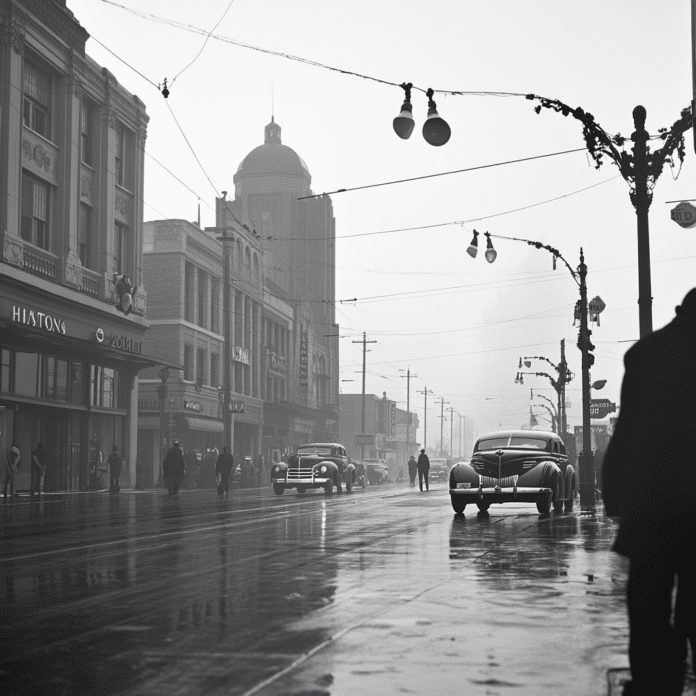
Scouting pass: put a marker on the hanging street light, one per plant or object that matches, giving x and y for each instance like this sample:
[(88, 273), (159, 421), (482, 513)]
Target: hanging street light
[(404, 123)]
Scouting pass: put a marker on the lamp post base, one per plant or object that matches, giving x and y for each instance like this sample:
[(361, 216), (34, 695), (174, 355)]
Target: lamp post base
[(588, 485)]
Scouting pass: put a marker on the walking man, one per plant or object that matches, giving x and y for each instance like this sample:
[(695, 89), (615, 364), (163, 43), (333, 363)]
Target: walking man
[(38, 468), (115, 462), (9, 467), (223, 468), (654, 437), (423, 468), (412, 469), (174, 469)]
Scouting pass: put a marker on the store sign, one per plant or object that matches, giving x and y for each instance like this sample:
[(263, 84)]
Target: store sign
[(236, 407), (40, 320), (304, 358), (240, 354), (125, 343), (192, 406), (278, 363), (601, 408)]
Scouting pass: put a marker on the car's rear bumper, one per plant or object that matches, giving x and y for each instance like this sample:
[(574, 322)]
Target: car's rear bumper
[(501, 495)]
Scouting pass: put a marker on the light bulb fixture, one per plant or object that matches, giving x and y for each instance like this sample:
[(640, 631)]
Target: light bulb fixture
[(473, 246), (519, 379), (435, 129), (599, 384), (520, 365), (404, 123), (527, 363), (490, 254)]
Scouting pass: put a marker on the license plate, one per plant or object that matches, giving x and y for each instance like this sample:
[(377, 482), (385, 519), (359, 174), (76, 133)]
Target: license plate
[(463, 485)]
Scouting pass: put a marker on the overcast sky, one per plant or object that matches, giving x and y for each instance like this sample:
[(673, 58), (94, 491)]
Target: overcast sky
[(460, 324)]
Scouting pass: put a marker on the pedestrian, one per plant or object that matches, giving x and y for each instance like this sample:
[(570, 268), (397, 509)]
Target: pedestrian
[(223, 468), (423, 466), (412, 469), (649, 466), (259, 468), (174, 468), (38, 469), (10, 461), (115, 462)]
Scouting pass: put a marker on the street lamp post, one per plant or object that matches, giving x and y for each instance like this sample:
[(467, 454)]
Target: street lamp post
[(425, 391), (640, 169), (408, 409), (586, 458), (162, 395)]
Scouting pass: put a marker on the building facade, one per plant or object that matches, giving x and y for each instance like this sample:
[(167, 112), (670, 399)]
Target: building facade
[(300, 346), (71, 189)]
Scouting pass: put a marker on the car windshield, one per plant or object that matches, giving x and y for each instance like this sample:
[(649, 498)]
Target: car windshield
[(518, 441), (373, 461), (321, 450), (441, 463)]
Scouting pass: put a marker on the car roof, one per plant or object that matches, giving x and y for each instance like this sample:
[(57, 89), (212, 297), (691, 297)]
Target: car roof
[(321, 444), (519, 433)]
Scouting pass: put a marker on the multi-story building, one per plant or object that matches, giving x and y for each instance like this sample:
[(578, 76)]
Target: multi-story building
[(71, 190), (300, 331)]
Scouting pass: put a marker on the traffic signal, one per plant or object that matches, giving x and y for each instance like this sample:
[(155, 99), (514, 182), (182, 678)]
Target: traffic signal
[(586, 346)]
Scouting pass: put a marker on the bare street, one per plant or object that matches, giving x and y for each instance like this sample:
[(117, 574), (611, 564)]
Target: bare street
[(381, 590)]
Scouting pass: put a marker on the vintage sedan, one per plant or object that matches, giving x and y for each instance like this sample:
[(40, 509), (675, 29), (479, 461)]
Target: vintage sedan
[(316, 465), (377, 471), (439, 470), (527, 466)]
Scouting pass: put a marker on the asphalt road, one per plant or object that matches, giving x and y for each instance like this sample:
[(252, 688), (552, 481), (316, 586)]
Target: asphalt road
[(380, 591)]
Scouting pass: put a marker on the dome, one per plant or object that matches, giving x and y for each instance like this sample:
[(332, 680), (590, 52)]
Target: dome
[(272, 158)]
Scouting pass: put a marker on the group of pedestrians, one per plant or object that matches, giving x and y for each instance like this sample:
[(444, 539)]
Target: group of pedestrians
[(10, 464), (420, 467), (174, 470)]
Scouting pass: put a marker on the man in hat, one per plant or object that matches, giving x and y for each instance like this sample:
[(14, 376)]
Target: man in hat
[(223, 467), (649, 482), (412, 469), (423, 466), (174, 468)]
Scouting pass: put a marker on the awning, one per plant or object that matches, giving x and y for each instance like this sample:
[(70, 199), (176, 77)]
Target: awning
[(194, 423)]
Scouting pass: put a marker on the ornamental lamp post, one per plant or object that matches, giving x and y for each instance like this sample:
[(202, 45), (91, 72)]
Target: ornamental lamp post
[(640, 168)]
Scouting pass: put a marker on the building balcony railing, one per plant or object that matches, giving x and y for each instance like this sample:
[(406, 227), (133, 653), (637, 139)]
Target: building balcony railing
[(91, 282), (40, 263)]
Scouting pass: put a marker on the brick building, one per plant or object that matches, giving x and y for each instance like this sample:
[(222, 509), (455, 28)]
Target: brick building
[(71, 191)]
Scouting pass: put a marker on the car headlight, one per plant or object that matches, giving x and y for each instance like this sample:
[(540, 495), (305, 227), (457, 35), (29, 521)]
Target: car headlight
[(276, 469), (322, 469)]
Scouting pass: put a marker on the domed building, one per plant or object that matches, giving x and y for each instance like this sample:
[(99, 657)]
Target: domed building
[(294, 238)]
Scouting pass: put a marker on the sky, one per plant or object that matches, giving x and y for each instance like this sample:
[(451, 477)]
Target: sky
[(460, 325)]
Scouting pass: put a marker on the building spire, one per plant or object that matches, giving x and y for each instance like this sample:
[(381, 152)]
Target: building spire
[(272, 133)]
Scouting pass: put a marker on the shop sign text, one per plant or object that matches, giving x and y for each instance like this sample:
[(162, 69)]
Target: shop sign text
[(32, 317), (192, 405), (240, 354)]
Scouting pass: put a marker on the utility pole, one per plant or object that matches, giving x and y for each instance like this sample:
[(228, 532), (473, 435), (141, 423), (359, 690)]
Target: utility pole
[(451, 410), (460, 436), (562, 419), (425, 391), (408, 409), (362, 421), (442, 421)]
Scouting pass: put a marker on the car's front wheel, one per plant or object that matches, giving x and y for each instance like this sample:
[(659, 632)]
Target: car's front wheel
[(328, 487), (278, 488), (349, 484), (483, 507), (458, 505), (544, 504), (301, 489)]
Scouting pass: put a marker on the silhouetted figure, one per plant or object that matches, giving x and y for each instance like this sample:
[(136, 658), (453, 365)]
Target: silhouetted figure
[(38, 469), (259, 468), (10, 460), (412, 469), (174, 468), (423, 469), (115, 462), (649, 481), (223, 468)]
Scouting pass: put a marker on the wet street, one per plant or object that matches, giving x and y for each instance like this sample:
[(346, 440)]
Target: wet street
[(378, 591)]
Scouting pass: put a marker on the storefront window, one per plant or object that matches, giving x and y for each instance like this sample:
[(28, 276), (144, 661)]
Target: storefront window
[(95, 390), (61, 380), (76, 383), (105, 387), (26, 374), (108, 388), (5, 372), (49, 377)]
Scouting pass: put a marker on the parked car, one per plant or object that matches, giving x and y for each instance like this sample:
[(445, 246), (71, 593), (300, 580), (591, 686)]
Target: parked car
[(439, 469), (377, 471), (315, 465), (515, 465)]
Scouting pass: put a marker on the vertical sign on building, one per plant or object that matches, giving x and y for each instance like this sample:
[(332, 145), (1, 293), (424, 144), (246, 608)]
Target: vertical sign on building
[(304, 358), (392, 419)]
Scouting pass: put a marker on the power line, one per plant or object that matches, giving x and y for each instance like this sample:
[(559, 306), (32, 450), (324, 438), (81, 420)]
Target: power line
[(432, 176)]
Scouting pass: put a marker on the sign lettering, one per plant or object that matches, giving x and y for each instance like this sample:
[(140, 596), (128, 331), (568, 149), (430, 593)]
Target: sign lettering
[(236, 407), (41, 320), (240, 354), (191, 405), (125, 343)]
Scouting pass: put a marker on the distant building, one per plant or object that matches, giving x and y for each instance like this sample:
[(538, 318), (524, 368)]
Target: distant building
[(298, 241), (71, 190)]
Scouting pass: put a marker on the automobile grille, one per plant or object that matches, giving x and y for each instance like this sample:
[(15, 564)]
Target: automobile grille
[(505, 482), (296, 474)]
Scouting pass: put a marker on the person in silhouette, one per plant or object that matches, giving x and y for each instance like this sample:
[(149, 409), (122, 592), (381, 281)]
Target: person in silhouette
[(223, 468), (174, 468), (412, 469), (423, 466), (649, 483), (115, 462), (38, 469)]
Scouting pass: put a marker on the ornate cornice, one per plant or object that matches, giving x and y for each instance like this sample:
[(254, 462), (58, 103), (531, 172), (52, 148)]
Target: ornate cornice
[(60, 20)]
